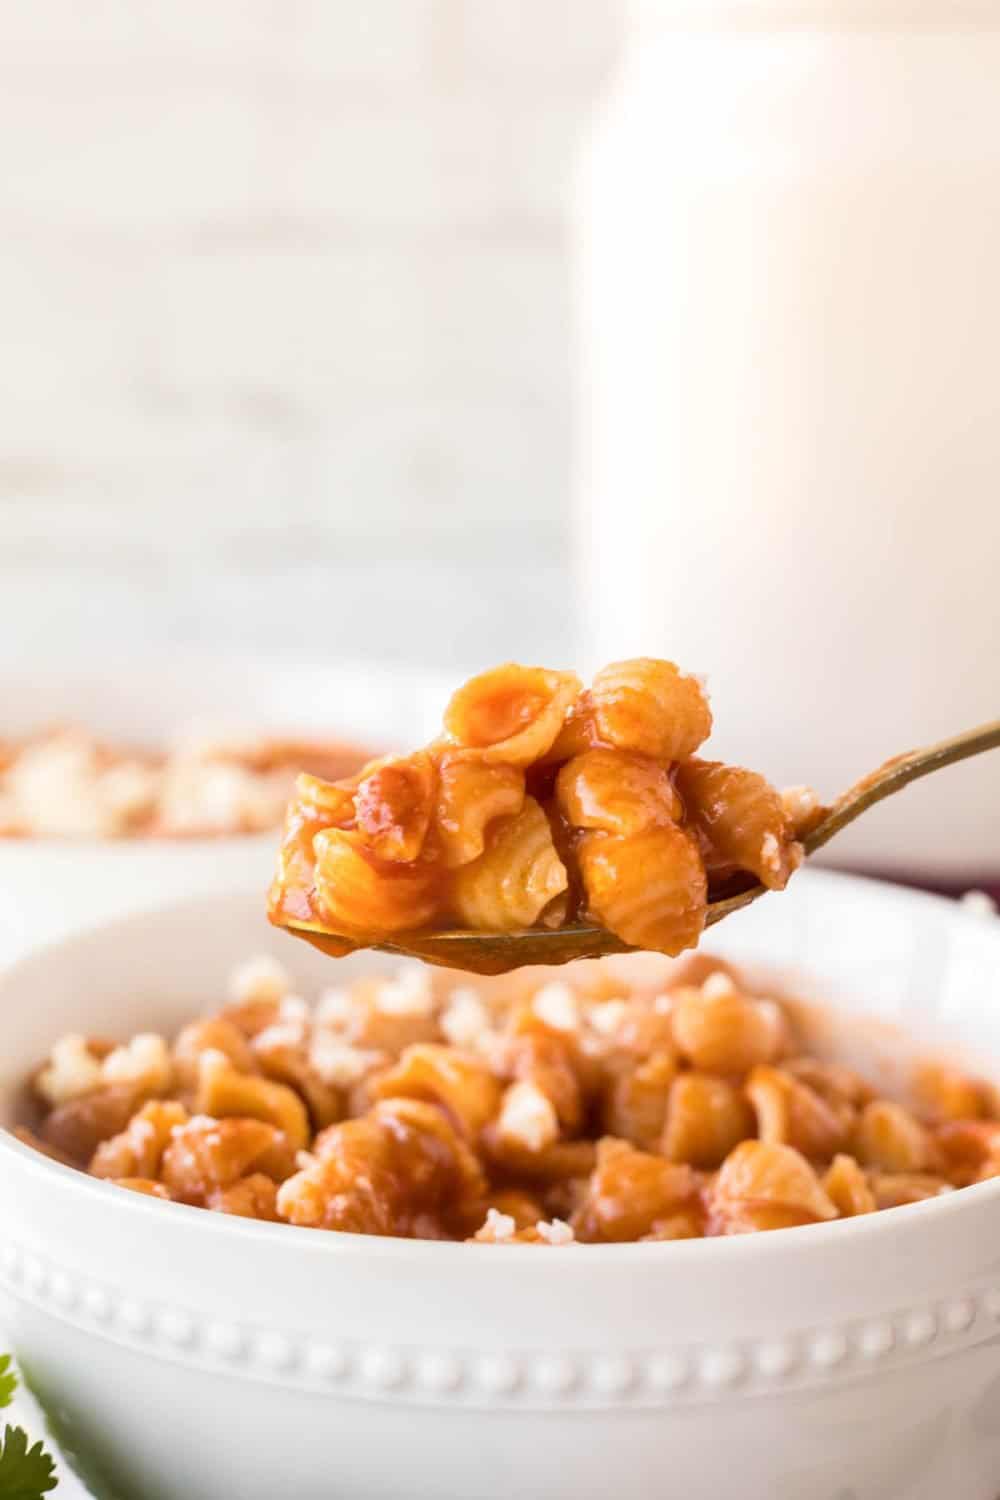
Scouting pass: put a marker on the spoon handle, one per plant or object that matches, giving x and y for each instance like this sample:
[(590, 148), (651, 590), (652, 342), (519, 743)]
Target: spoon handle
[(898, 773), (891, 777)]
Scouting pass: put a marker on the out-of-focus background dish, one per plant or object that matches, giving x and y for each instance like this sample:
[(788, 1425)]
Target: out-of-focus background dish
[(49, 885)]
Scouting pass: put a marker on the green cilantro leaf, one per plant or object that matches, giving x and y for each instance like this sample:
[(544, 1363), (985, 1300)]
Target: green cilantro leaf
[(8, 1381), (25, 1473)]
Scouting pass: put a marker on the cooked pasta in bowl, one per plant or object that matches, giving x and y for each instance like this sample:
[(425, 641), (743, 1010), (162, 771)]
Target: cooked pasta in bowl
[(601, 1108), (424, 1230)]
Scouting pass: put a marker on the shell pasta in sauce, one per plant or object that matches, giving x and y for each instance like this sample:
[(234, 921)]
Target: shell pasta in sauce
[(618, 1104), (542, 803)]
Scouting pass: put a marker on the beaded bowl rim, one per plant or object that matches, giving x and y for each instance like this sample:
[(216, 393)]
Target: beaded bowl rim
[(477, 1375)]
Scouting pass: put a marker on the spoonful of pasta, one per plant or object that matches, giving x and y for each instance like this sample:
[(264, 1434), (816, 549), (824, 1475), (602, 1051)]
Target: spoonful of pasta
[(551, 823)]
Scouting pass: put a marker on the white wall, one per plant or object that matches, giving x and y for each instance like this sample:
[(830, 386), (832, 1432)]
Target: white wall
[(284, 335)]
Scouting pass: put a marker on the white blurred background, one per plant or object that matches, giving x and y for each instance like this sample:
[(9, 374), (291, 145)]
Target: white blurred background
[(307, 348), (285, 322)]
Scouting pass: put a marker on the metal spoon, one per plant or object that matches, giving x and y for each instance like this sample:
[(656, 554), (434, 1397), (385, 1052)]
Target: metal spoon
[(499, 952)]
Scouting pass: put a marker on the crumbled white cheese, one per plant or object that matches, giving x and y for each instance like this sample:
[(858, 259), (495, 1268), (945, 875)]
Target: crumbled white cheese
[(979, 903), (494, 1049), (279, 1037), (200, 796), (195, 1122), (555, 1231), (799, 802), (594, 1046), (128, 790), (259, 980), (464, 1018), (717, 985), (528, 1117), (54, 787), (771, 1011), (557, 1006), (337, 1063), (334, 1007), (72, 1071), (211, 1062), (607, 1016), (294, 1008), (499, 1226), (145, 1059), (770, 853), (410, 993)]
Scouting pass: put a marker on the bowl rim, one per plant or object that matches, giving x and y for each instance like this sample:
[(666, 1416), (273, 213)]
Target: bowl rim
[(709, 1249)]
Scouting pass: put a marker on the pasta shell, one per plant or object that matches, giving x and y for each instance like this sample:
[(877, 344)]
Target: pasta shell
[(516, 876), (617, 792), (394, 806), (774, 1176), (472, 794), (742, 820), (358, 895), (511, 713), (647, 888), (651, 706)]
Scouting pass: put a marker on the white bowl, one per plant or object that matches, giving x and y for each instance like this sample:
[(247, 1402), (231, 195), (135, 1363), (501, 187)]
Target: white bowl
[(49, 887), (212, 1357)]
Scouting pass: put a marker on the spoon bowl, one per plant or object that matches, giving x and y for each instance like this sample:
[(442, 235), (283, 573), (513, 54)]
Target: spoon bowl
[(499, 952)]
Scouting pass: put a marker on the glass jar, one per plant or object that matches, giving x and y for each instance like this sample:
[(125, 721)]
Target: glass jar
[(789, 439)]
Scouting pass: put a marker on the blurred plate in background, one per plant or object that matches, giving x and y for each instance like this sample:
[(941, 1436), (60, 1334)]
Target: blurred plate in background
[(50, 886)]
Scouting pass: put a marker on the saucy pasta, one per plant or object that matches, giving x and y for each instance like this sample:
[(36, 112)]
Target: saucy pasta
[(541, 804), (610, 1106)]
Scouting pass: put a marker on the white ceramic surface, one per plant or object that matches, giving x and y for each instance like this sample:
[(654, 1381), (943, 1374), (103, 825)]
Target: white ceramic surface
[(216, 1358), (53, 886)]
